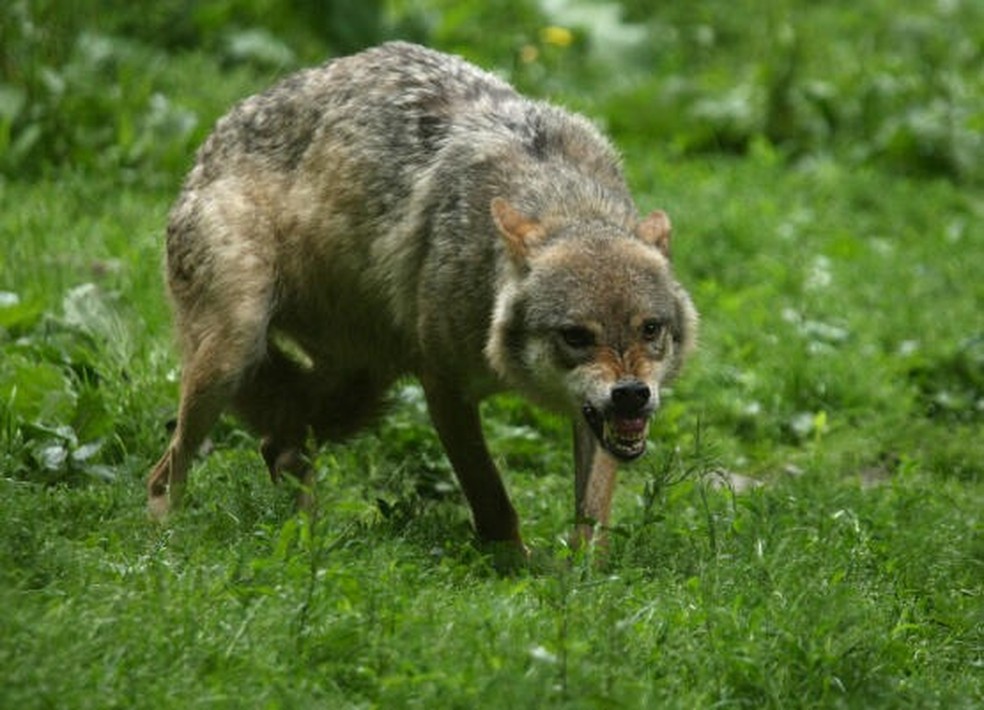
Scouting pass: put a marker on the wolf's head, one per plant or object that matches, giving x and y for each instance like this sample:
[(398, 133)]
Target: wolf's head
[(589, 320)]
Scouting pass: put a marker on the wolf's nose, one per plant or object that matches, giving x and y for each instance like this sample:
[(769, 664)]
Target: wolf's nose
[(630, 397)]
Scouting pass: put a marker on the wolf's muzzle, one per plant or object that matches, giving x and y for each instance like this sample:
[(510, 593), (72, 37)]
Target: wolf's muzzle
[(623, 425)]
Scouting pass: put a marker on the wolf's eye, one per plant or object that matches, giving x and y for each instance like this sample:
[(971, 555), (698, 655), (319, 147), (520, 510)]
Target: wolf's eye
[(577, 337), (651, 329)]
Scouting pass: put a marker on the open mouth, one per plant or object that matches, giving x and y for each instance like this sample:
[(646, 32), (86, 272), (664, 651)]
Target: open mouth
[(623, 437)]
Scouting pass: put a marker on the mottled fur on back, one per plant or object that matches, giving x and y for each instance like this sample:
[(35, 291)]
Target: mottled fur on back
[(401, 211)]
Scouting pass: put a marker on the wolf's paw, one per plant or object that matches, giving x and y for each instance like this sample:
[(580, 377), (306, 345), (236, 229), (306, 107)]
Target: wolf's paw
[(158, 508), (507, 556)]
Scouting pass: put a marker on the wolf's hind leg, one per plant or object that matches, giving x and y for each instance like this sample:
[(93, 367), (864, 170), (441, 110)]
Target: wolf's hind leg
[(274, 401), (218, 350), (289, 404)]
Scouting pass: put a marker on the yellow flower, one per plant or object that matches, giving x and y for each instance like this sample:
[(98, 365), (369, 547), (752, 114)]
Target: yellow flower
[(557, 36)]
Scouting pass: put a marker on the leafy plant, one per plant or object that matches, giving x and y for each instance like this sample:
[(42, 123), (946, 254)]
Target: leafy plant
[(53, 390)]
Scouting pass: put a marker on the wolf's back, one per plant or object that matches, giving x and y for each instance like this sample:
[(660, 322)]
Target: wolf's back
[(392, 109)]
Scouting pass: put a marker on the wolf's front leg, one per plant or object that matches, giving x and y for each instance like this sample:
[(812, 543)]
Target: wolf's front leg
[(594, 484), (459, 428)]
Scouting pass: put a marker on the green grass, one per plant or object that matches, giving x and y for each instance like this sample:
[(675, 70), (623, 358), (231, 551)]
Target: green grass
[(841, 365)]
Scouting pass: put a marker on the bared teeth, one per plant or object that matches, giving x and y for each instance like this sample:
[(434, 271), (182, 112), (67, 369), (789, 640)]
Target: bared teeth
[(626, 435)]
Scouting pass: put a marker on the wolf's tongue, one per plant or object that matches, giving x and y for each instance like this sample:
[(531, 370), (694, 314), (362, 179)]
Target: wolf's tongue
[(629, 426)]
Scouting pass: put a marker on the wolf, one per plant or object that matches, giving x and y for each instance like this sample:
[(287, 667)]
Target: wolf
[(401, 212)]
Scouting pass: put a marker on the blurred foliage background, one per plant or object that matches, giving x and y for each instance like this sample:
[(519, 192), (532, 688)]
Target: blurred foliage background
[(899, 85)]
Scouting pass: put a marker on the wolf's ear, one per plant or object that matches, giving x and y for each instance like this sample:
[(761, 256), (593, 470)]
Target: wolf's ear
[(521, 233), (654, 230)]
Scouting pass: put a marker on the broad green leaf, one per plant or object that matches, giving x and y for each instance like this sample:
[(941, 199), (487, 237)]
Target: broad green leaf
[(36, 391)]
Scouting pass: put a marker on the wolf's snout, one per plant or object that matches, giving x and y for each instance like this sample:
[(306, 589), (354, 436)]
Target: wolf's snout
[(622, 427), (630, 398)]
